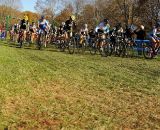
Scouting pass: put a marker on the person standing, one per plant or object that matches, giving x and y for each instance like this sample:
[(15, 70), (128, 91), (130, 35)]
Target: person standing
[(141, 35)]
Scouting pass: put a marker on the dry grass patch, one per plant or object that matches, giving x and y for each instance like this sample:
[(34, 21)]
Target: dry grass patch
[(52, 106)]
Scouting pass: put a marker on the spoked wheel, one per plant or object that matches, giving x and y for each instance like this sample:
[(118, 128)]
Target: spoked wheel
[(119, 49), (148, 52), (62, 45), (124, 50), (40, 41), (81, 47), (20, 41), (57, 44), (93, 48), (111, 48), (129, 52), (71, 45), (107, 49)]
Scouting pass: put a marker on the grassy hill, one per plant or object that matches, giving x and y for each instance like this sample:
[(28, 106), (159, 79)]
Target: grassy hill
[(53, 90)]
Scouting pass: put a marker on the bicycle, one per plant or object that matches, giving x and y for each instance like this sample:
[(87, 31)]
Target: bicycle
[(81, 44), (100, 45), (28, 37), (41, 38), (21, 38), (149, 51), (129, 47), (61, 43), (117, 46)]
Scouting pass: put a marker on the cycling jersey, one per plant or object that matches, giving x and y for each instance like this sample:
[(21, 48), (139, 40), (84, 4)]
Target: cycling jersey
[(69, 25), (141, 34), (103, 27), (15, 28), (43, 24), (156, 33), (61, 30), (84, 31), (32, 28), (23, 24)]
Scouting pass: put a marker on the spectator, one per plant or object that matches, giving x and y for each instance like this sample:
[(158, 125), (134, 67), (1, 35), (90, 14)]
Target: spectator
[(141, 35)]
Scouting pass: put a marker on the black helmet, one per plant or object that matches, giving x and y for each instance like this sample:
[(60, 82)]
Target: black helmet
[(158, 24), (119, 24), (106, 20)]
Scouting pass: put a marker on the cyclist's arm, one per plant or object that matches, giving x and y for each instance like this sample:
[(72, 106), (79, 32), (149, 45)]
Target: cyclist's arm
[(155, 33), (38, 23)]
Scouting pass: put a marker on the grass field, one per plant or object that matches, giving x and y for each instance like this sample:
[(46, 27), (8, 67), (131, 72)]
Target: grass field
[(47, 90)]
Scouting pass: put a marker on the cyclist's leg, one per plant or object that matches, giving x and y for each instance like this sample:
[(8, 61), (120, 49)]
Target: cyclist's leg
[(24, 35), (45, 38)]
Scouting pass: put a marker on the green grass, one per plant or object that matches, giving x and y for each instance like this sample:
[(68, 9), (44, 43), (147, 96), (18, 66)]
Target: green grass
[(53, 90)]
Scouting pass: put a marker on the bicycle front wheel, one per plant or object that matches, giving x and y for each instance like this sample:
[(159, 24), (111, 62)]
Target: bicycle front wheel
[(148, 52), (71, 45)]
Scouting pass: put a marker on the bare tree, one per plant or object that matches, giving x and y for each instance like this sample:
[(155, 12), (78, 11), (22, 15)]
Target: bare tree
[(150, 11)]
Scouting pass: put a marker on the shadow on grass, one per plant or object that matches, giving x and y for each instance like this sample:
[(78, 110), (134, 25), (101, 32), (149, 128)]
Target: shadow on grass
[(51, 48)]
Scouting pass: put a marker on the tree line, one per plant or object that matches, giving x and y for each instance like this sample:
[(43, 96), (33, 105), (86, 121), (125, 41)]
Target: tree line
[(146, 12)]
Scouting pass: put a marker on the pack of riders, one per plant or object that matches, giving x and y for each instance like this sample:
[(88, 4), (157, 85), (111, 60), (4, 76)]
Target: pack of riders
[(69, 28)]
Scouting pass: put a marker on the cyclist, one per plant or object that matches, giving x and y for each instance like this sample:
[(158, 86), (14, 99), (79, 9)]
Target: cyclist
[(84, 33), (15, 31), (61, 30), (84, 30), (141, 35), (156, 36), (33, 30), (43, 25), (70, 26), (23, 27), (103, 27), (128, 32)]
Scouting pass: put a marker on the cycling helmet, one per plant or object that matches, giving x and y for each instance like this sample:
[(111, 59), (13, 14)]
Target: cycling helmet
[(158, 24), (73, 17), (106, 20), (42, 17), (119, 24), (25, 17), (142, 27), (86, 25), (63, 23)]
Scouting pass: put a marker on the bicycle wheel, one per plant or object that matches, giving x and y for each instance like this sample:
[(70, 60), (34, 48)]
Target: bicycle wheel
[(129, 50), (57, 44), (62, 46), (71, 45), (107, 49), (20, 41), (81, 47), (124, 49), (39, 41), (93, 48), (148, 51), (119, 49)]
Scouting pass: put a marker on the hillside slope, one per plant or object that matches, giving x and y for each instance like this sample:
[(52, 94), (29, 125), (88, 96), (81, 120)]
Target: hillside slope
[(53, 90)]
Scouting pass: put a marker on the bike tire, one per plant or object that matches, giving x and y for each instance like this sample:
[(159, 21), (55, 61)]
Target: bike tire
[(81, 47), (148, 51), (71, 46)]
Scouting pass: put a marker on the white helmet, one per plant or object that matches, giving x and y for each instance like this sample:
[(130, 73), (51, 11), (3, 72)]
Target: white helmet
[(142, 27), (86, 25), (63, 23)]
